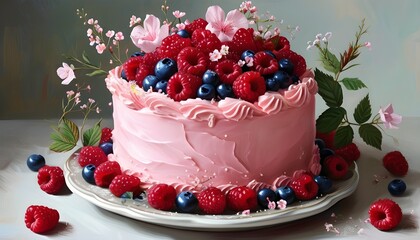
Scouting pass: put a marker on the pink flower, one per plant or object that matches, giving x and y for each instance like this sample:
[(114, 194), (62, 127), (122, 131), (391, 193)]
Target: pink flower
[(224, 28), (66, 73), (134, 20), (389, 118), (282, 204), (368, 45), (150, 36), (119, 36), (100, 48), (215, 55), (178, 14), (110, 33)]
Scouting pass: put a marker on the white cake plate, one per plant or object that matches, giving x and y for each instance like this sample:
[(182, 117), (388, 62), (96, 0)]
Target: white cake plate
[(140, 210)]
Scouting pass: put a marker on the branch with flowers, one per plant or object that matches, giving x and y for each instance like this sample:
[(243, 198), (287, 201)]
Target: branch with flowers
[(335, 117)]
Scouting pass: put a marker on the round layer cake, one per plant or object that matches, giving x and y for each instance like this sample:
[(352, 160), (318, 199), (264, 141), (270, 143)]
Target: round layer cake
[(198, 143)]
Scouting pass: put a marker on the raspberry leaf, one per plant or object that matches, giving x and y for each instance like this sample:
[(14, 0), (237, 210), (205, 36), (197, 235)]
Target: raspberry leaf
[(363, 110), (330, 61), (330, 119), (353, 83), (371, 135), (93, 135), (329, 89), (343, 136), (65, 136)]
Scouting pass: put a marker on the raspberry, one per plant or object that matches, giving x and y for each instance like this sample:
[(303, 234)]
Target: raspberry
[(350, 153), (265, 64), (249, 86), (182, 86), (385, 214), (280, 43), (328, 138), (125, 183), (335, 167), (198, 23), (305, 187), (243, 40), (41, 219), (212, 201), (137, 68), (131, 67), (228, 71), (205, 40), (91, 155), (106, 135), (241, 198), (51, 179), (298, 61), (395, 163), (193, 61), (105, 173), (172, 45), (161, 196)]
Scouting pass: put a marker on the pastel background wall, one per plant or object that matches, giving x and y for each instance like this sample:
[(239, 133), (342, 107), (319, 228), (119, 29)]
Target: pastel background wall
[(34, 35)]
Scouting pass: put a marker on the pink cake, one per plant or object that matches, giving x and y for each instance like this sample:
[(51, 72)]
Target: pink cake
[(197, 143)]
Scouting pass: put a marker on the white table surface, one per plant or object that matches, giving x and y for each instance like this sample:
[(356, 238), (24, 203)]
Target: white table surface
[(79, 219)]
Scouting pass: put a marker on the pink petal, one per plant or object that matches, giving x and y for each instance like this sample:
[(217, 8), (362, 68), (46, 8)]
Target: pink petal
[(215, 15), (151, 24), (236, 19)]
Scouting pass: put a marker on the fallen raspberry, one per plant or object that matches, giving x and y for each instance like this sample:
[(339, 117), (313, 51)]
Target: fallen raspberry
[(41, 219), (395, 163), (51, 179), (304, 187), (385, 214)]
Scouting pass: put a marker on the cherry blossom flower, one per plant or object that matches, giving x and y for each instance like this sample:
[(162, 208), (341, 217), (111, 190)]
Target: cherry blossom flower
[(215, 55), (180, 26), (150, 36), (224, 50), (224, 27), (110, 33), (134, 20), (119, 36), (66, 73), (89, 32), (100, 48), (281, 204), (271, 204), (69, 93), (389, 118), (178, 14)]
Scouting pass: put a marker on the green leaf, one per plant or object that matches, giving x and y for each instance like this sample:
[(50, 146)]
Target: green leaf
[(363, 111), (353, 83), (329, 89), (92, 136), (330, 119), (85, 57), (60, 146), (64, 137), (371, 135), (96, 73), (330, 62), (343, 136), (71, 131)]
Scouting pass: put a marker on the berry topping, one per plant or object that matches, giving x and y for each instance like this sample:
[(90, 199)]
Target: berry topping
[(385, 214), (105, 172), (161, 196), (183, 33), (397, 187), (225, 90), (41, 219), (286, 193), (172, 45), (88, 173), (249, 86), (91, 155), (228, 71), (182, 86), (125, 183), (328, 138), (247, 53), (198, 23), (51, 179), (324, 184), (324, 153), (244, 40), (395, 163), (211, 77), (186, 202), (335, 167), (283, 79), (272, 84), (320, 143), (241, 198), (193, 61), (350, 153), (161, 86), (299, 63), (35, 162), (279, 44), (265, 196), (165, 68), (212, 201), (305, 187), (149, 82), (206, 91), (286, 65), (265, 64), (107, 147), (206, 41), (106, 135), (131, 67)]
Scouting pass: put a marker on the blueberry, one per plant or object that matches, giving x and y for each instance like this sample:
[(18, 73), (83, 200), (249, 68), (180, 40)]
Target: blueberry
[(295, 79), (186, 202), (35, 162), (106, 147), (272, 84), (270, 53), (286, 65), (286, 193), (149, 82), (247, 53), (211, 77), (183, 33), (225, 90), (88, 173), (136, 54), (165, 68), (161, 85), (325, 152), (123, 75), (262, 196), (397, 187), (283, 78), (324, 184), (206, 91), (320, 143)]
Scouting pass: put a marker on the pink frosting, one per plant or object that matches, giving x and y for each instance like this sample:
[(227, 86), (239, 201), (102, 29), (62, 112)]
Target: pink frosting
[(196, 143)]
